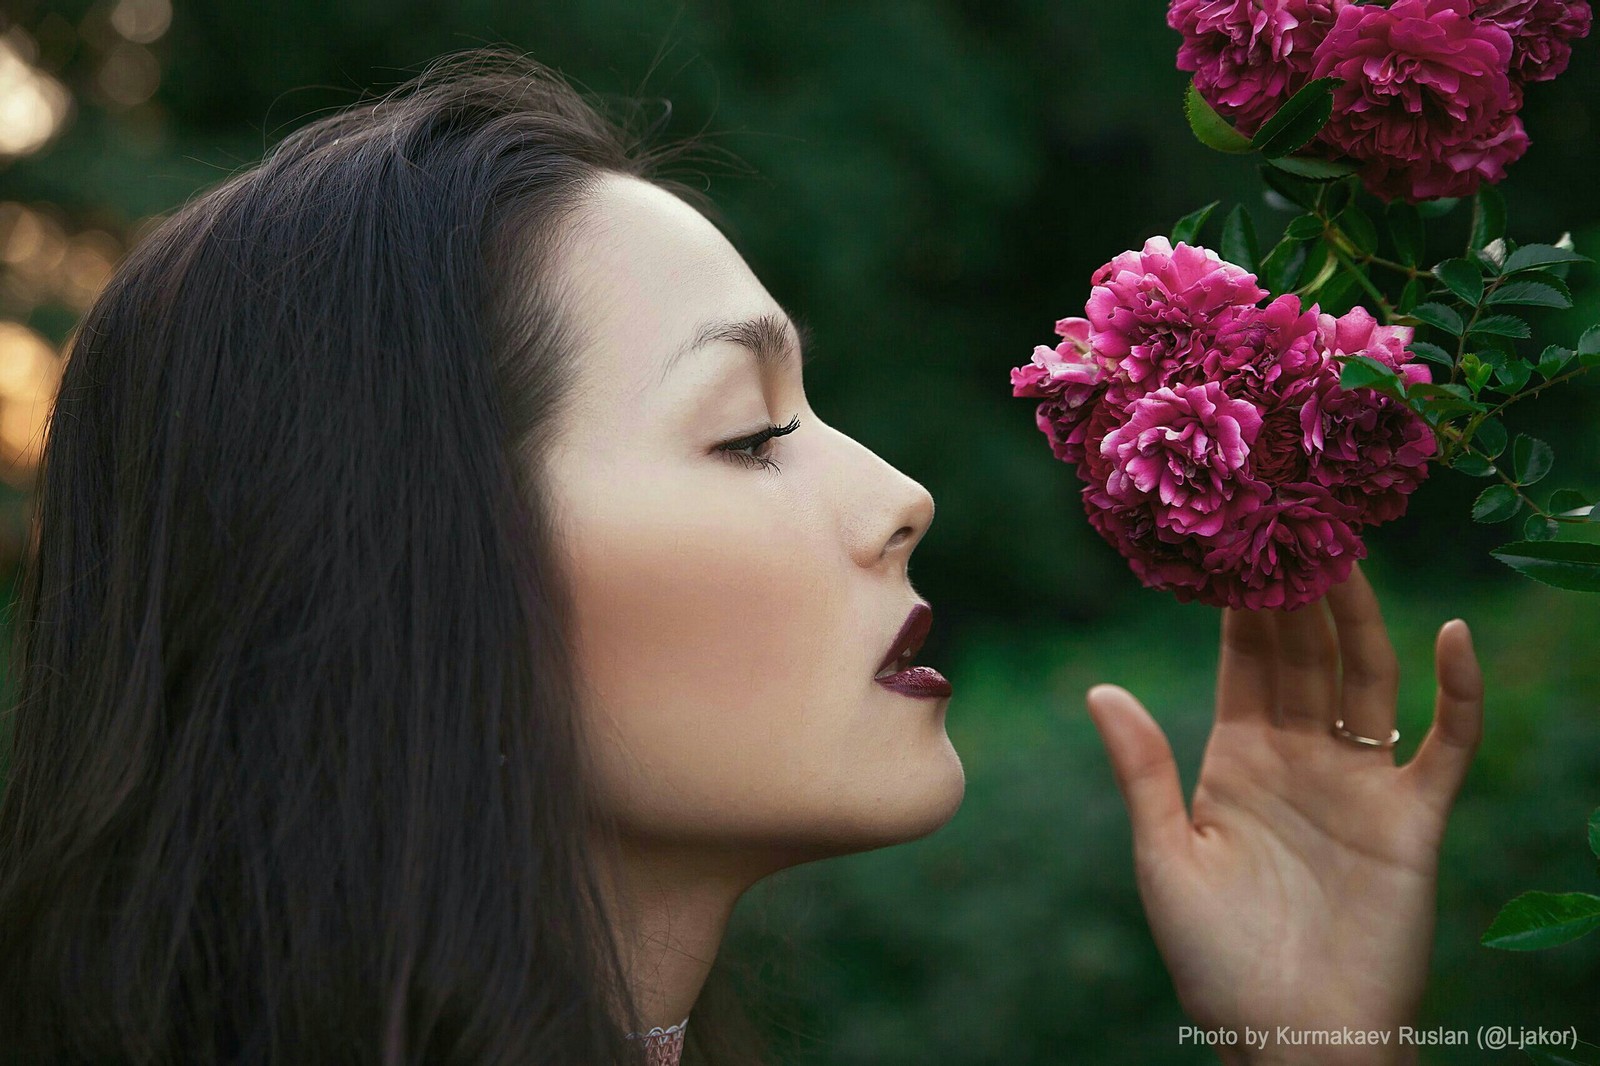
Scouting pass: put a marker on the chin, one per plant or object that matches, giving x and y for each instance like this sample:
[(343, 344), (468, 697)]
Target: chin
[(900, 810)]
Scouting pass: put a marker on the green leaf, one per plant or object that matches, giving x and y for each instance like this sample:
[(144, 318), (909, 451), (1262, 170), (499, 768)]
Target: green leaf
[(1531, 459), (1436, 411), (1363, 371), (1554, 359), (1239, 239), (1493, 356), (1537, 920), (1440, 316), (1495, 504), (1513, 375), (1538, 527), (1210, 128), (1438, 208), (1409, 296), (1405, 230), (1359, 228), (1432, 353), (1492, 255), (1566, 501), (1300, 118), (1187, 228), (1566, 564), (1336, 196), (1532, 294), (1473, 465), (1488, 216), (1314, 169), (1282, 266), (1462, 278), (1490, 438), (1336, 288), (1589, 343), (1476, 370), (1295, 190), (1303, 228), (1495, 348), (1594, 832), (1438, 402), (1502, 326), (1327, 264), (1534, 256)]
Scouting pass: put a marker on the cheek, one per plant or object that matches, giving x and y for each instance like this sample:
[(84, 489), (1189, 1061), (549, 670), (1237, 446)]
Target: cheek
[(710, 622)]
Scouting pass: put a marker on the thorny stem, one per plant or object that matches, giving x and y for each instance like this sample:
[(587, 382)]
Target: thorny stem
[(1537, 389), (1513, 485)]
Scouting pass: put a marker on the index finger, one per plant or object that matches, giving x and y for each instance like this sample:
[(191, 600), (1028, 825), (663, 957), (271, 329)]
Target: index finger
[(1247, 667)]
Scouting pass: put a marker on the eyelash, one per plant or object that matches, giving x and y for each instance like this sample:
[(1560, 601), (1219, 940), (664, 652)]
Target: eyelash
[(734, 448)]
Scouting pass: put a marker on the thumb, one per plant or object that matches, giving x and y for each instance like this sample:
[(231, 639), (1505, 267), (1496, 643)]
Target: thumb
[(1141, 759), (1442, 759)]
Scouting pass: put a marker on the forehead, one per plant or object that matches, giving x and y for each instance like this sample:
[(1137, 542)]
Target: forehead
[(642, 270)]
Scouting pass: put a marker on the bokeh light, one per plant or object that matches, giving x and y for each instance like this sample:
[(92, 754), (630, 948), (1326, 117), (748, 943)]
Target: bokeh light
[(30, 372), (34, 106), (141, 21)]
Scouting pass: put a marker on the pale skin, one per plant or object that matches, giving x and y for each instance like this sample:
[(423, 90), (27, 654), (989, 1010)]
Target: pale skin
[(729, 619)]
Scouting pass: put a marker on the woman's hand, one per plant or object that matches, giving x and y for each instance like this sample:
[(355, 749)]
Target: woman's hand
[(1299, 891)]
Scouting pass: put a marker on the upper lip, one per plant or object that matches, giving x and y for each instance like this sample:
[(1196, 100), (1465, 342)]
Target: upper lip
[(909, 640)]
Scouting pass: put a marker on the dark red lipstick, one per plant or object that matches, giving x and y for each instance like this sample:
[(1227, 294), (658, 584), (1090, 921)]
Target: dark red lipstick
[(908, 679)]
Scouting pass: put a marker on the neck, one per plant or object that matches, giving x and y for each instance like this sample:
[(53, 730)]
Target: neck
[(671, 904)]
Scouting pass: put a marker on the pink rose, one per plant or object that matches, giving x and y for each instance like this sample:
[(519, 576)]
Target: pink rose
[(1157, 557), (1286, 553), (1371, 451), (1542, 32), (1069, 377), (1282, 454), (1283, 555), (1262, 350), (1272, 357), (1150, 310), (1249, 56), (1427, 100), (1095, 467), (1069, 372), (1456, 173), (1184, 448), (1218, 452)]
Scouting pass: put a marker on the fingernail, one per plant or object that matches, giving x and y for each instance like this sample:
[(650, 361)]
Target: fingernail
[(1100, 693)]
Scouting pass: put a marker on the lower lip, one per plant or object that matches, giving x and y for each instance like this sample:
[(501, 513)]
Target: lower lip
[(922, 681)]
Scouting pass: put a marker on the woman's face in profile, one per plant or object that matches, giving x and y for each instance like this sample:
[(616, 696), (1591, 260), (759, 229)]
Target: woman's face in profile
[(730, 617)]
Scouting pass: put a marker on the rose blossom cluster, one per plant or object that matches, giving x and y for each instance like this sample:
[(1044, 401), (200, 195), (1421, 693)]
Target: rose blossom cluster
[(1430, 88), (1218, 451)]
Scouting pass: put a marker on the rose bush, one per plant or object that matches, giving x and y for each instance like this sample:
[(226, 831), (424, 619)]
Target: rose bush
[(1427, 92)]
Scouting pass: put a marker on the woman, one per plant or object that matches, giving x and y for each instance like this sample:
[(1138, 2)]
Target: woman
[(446, 605)]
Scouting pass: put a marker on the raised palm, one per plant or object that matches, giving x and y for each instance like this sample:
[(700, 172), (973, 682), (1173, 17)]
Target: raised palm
[(1298, 888)]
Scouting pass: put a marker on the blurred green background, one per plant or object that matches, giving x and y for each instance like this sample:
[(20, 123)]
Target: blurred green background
[(929, 185)]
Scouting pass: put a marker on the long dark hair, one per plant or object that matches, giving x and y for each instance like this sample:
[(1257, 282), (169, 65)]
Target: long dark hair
[(296, 768)]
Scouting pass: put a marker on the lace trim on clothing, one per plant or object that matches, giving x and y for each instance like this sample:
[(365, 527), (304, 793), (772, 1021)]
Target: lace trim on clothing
[(663, 1047)]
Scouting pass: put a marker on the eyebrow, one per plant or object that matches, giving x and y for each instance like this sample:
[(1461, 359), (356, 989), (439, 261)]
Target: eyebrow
[(766, 336)]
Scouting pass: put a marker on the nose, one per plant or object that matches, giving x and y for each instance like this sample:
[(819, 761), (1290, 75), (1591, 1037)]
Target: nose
[(883, 512), (911, 514)]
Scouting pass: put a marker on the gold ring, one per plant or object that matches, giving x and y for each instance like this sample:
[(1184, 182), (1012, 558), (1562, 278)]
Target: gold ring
[(1344, 734)]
